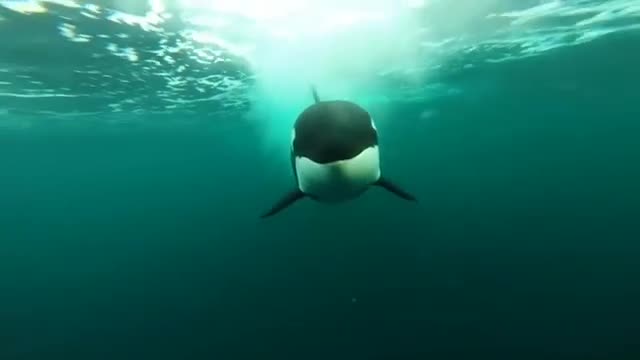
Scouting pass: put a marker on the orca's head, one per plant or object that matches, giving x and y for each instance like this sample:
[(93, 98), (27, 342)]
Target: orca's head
[(330, 131)]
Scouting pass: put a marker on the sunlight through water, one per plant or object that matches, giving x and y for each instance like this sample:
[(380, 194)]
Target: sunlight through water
[(208, 57)]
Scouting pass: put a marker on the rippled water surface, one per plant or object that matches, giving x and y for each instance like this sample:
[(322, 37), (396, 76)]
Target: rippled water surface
[(67, 57)]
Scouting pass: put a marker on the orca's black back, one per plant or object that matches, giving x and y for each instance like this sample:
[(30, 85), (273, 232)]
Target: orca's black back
[(329, 131)]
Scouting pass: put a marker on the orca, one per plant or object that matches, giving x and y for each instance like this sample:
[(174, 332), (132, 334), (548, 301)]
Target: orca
[(334, 155)]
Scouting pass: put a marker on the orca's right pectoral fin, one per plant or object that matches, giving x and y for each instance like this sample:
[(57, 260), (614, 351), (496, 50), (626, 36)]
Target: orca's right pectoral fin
[(394, 189), (284, 202)]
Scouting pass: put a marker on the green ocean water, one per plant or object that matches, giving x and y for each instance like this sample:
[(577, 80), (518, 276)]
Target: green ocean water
[(129, 225)]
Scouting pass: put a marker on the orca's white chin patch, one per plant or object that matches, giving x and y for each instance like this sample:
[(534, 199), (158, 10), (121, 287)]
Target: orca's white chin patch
[(341, 180)]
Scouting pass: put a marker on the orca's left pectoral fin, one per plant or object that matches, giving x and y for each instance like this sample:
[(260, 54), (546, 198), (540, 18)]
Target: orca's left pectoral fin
[(394, 189), (284, 202)]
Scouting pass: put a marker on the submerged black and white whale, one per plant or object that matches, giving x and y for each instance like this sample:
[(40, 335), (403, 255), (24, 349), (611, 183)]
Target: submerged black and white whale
[(334, 155)]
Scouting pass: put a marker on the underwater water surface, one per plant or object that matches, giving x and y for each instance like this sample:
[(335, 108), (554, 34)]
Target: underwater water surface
[(141, 140)]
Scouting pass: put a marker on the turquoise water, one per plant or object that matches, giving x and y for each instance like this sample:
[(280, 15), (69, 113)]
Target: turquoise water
[(139, 143)]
